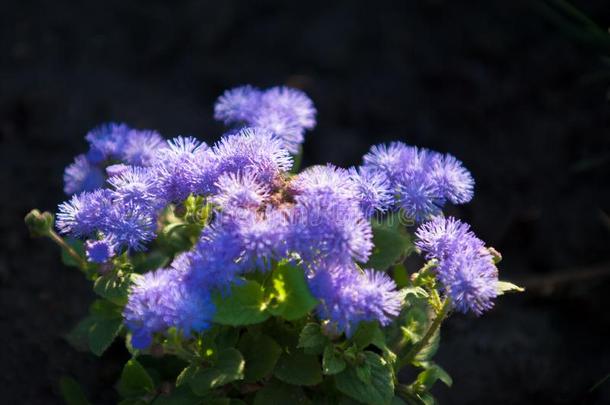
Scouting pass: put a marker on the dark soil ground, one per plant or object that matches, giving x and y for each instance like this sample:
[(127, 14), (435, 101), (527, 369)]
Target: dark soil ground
[(494, 83)]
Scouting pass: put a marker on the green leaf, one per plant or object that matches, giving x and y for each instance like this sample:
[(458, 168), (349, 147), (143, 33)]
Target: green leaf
[(365, 334), (332, 362), (278, 393), (229, 366), (401, 276), (311, 339), (135, 380), (78, 246), (115, 288), (391, 244), (78, 337), (261, 354), (72, 392), (245, 305), (297, 368), (504, 287), (381, 388), (428, 377), (102, 333), (290, 295)]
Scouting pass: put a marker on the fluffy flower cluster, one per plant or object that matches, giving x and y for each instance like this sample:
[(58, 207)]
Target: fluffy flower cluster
[(319, 219), (465, 267)]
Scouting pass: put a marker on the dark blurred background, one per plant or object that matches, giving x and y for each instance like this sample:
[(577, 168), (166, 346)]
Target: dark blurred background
[(503, 86)]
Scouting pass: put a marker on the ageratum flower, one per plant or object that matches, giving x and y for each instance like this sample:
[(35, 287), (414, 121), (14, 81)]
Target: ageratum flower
[(372, 190), (181, 167), (322, 226), (237, 105), (470, 278), (348, 296), (325, 180), (84, 213), (239, 190), (442, 237), (465, 269), (106, 142), (255, 150), (423, 180), (162, 299), (452, 180), (283, 111), (100, 251), (131, 225), (136, 185), (82, 176), (140, 147)]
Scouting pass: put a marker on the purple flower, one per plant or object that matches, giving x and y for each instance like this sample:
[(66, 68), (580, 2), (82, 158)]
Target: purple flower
[(106, 142), (372, 190), (255, 150), (183, 166), (465, 269), (84, 213), (292, 101), (283, 111), (162, 299), (452, 180), (442, 237), (326, 227), (470, 278), (82, 176), (100, 251), (418, 196), (328, 179), (115, 170), (136, 186), (283, 125), (239, 191), (237, 105), (130, 225), (140, 147), (213, 261), (389, 159), (348, 296)]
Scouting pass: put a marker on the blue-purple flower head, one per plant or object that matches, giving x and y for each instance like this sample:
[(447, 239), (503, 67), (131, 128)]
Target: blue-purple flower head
[(84, 213), (283, 111), (323, 226), (372, 190), (253, 150), (100, 251), (325, 180), (238, 241), (135, 185), (465, 267), (239, 190), (237, 105), (82, 176), (162, 299), (349, 296), (183, 166), (130, 225), (422, 179), (140, 147), (106, 142)]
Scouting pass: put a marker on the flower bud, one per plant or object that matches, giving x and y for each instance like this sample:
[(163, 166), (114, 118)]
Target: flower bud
[(39, 224)]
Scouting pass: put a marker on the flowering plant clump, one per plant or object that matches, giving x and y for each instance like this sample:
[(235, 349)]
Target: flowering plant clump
[(235, 279)]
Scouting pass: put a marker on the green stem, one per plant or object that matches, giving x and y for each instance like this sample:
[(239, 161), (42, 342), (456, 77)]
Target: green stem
[(62, 243), (429, 333)]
